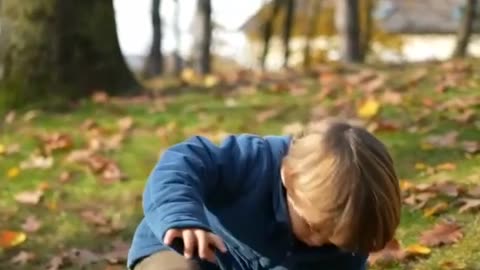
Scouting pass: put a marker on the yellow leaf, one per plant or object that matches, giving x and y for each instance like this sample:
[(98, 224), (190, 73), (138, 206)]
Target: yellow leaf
[(420, 166), (2, 149), (447, 166), (188, 75), (210, 81), (368, 109), (13, 172), (418, 249), (406, 185), (11, 238), (426, 146), (436, 209)]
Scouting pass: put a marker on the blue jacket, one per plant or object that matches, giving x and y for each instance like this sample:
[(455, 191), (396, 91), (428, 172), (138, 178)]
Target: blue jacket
[(235, 191)]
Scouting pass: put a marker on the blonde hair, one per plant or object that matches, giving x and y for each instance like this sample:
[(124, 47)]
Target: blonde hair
[(344, 181)]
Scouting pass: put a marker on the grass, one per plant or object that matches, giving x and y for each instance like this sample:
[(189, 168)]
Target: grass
[(208, 114)]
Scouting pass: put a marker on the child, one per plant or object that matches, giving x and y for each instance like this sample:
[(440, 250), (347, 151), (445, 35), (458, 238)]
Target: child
[(320, 201)]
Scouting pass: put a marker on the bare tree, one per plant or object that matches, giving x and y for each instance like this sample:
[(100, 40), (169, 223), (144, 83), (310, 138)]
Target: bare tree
[(287, 29), (176, 32), (154, 62), (268, 31), (202, 37), (347, 18), (313, 16), (466, 28), (366, 8)]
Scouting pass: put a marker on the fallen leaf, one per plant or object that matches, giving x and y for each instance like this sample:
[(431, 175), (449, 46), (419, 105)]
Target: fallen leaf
[(471, 147), (83, 257), (443, 141), (37, 162), (264, 116), (30, 115), (406, 185), (391, 253), (125, 123), (469, 205), (31, 224), (13, 172), (29, 197), (392, 98), (447, 166), (444, 233), (79, 155), (94, 217), (112, 173), (468, 116), (436, 209), (89, 124), (23, 258), (57, 262), (474, 192), (65, 177), (210, 81), (10, 239), (450, 265), (56, 141), (368, 109), (416, 249), (10, 117), (119, 252), (448, 188)]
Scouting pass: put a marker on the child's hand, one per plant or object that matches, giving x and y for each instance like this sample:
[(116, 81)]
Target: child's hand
[(192, 238)]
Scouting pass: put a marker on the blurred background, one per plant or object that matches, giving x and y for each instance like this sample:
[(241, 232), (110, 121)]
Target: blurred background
[(92, 92)]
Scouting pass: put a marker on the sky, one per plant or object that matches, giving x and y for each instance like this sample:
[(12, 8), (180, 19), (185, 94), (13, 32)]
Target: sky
[(135, 31)]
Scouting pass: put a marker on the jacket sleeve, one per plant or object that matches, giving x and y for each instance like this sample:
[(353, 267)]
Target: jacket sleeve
[(192, 172)]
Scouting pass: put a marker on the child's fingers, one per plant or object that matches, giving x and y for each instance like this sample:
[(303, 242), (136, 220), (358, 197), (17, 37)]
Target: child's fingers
[(204, 251), (170, 235), (189, 243), (217, 242)]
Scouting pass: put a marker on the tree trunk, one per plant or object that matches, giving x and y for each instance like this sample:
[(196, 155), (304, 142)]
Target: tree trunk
[(154, 62), (313, 15), (176, 32), (366, 9), (465, 30), (287, 30), (203, 37), (349, 30), (59, 48), (268, 31)]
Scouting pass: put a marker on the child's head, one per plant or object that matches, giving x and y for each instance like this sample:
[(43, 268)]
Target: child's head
[(342, 188)]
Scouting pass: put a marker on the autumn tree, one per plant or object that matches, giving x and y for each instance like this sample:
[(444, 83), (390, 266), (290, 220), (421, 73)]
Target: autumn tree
[(268, 31), (287, 29), (347, 17), (313, 11), (178, 62), (58, 48), (203, 36), (154, 62), (466, 28)]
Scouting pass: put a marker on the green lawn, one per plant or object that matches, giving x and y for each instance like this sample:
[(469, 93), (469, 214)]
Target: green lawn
[(66, 207)]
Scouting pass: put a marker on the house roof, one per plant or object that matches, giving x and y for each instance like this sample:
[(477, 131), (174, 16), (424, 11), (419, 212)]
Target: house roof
[(420, 16)]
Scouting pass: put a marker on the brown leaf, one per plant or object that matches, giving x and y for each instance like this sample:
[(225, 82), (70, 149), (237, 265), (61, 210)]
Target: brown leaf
[(474, 192), (471, 147), (447, 166), (125, 123), (30, 115), (111, 173), (444, 233), (89, 124), (10, 117), (391, 253), (37, 162), (57, 262), (119, 252), (450, 265), (466, 117), (23, 258), (79, 155), (264, 116), (56, 141), (65, 177), (443, 141), (469, 205), (31, 224), (83, 257), (29, 197), (392, 98), (94, 217)]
